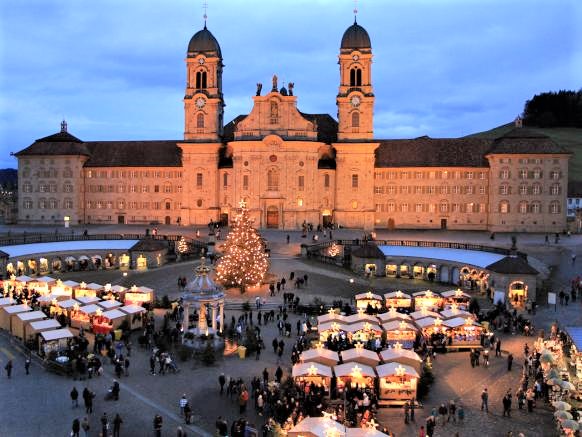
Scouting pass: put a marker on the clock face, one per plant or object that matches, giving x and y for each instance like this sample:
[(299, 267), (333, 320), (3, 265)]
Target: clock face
[(200, 102), (355, 57), (201, 61), (355, 101)]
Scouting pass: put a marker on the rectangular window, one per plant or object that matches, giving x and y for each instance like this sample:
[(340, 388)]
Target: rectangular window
[(225, 180), (301, 182), (354, 181), (326, 181), (167, 188), (199, 180), (245, 182)]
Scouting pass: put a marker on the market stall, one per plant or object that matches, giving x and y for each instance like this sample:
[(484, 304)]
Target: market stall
[(135, 315), (319, 355), (326, 427), (400, 332), (139, 295), (363, 331), (354, 375), (95, 288), (65, 306), (32, 329), (83, 290), (403, 356), (424, 312), (427, 299), (307, 373), (6, 301), (332, 315), (398, 299), (21, 319), (398, 382), (360, 316), (109, 304), (360, 355), (82, 317), (69, 287), (58, 288), (463, 332), (88, 300), (21, 282), (7, 312), (458, 297), (393, 314), (430, 325), (330, 329), (454, 312), (107, 321), (44, 284), (56, 340), (373, 300)]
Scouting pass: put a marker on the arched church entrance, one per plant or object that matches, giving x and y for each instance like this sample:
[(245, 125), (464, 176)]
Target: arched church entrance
[(272, 217)]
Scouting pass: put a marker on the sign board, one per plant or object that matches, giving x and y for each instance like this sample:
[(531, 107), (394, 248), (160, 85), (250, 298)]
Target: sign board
[(499, 297), (551, 298)]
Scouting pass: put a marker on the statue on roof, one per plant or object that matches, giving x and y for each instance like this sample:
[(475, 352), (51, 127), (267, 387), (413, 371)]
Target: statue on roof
[(274, 83), (291, 86), (259, 88)]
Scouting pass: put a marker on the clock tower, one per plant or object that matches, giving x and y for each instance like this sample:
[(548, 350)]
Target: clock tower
[(203, 100), (355, 99)]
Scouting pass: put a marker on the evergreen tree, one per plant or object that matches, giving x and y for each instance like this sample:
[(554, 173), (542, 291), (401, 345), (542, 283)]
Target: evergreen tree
[(244, 261)]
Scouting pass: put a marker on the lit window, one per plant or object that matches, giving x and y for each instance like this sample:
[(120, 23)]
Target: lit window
[(523, 207), (354, 204), (504, 207), (299, 201)]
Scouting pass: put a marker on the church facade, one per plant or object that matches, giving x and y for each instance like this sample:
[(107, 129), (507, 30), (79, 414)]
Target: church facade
[(293, 167)]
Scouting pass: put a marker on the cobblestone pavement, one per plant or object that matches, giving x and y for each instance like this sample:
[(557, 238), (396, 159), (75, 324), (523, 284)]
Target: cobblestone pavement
[(39, 405)]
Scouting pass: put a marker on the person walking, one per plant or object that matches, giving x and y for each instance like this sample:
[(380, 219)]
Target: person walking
[(242, 401), (27, 365), (221, 382), (8, 369), (182, 403), (158, 425), (104, 425), (498, 348), (509, 361), (485, 400), (85, 426), (126, 366), (74, 397), (507, 405), (75, 428), (452, 412), (187, 414), (443, 411), (406, 413), (279, 374), (88, 398), (117, 421)]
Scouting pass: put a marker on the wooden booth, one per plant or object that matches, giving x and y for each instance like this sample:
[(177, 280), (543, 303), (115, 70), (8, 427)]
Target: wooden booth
[(44, 284), (363, 331), (398, 299), (400, 332), (59, 289), (21, 282), (7, 312), (369, 298), (457, 297), (109, 304), (403, 356), (360, 355), (139, 296), (134, 315), (32, 329), (88, 300), (95, 289), (431, 325), (82, 317), (69, 287), (360, 316), (454, 312), (319, 355), (398, 382), (332, 329), (107, 321), (393, 314), (332, 316), (21, 319), (307, 373), (417, 315), (463, 332), (56, 340), (354, 375), (427, 299), (116, 292)]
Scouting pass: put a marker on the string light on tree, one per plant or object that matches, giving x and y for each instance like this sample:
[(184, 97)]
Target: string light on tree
[(244, 262), (182, 246), (333, 250)]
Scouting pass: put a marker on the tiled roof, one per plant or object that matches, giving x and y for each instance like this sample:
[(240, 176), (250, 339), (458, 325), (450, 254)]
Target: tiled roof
[(61, 143), (526, 141), (433, 152), (515, 265), (134, 154)]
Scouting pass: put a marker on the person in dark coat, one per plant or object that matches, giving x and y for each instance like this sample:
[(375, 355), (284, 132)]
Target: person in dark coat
[(509, 362), (75, 428), (117, 421)]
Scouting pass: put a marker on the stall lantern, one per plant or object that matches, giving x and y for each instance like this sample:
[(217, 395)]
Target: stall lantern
[(360, 355), (307, 373), (54, 341), (319, 355), (454, 311), (109, 304), (458, 297), (21, 319), (463, 332), (398, 354), (363, 331), (332, 315), (398, 382), (369, 298), (32, 329), (360, 316), (81, 317), (107, 321), (139, 295), (398, 299), (424, 312), (44, 284), (427, 299), (135, 315), (393, 314), (354, 375), (400, 332), (7, 312)]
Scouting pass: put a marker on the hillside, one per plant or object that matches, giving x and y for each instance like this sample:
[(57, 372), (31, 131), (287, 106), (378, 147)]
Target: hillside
[(567, 137), (8, 178)]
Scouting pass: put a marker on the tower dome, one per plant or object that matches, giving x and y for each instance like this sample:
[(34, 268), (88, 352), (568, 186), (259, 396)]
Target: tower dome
[(356, 37), (204, 42)]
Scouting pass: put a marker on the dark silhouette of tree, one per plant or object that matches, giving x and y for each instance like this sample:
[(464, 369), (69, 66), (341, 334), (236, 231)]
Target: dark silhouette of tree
[(554, 109)]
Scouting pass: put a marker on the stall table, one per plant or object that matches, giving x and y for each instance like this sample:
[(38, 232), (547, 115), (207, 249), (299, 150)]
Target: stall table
[(7, 312), (21, 319)]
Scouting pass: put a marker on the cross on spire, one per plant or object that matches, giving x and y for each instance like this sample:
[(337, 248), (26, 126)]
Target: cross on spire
[(205, 16), (355, 11)]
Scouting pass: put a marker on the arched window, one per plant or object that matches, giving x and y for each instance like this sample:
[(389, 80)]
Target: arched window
[(355, 119), (273, 180), (355, 77), (555, 207), (523, 207), (200, 121), (201, 80), (504, 207), (536, 207)]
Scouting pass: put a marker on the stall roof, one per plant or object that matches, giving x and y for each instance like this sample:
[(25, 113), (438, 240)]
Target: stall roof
[(450, 314), (118, 288), (71, 283), (422, 314), (88, 299), (45, 279), (321, 426), (32, 315), (358, 317), (394, 354), (95, 286), (56, 334), (453, 293), (23, 278), (6, 301), (368, 295), (457, 321), (132, 309), (67, 246), (49, 297), (396, 325), (348, 368), (424, 293), (42, 325), (472, 257), (426, 322), (109, 304), (386, 317), (397, 295), (355, 353), (311, 354), (14, 309), (389, 369), (90, 309), (575, 334), (114, 314), (304, 369), (360, 326), (331, 318), (329, 325), (145, 289), (69, 303)]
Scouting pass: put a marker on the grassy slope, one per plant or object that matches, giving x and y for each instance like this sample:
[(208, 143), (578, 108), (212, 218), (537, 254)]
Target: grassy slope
[(569, 138)]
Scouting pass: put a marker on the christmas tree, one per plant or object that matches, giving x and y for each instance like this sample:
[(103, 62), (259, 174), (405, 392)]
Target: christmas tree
[(182, 246), (244, 261)]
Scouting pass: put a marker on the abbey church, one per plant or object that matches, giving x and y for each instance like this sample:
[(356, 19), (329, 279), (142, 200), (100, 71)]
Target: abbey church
[(293, 167)]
